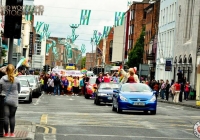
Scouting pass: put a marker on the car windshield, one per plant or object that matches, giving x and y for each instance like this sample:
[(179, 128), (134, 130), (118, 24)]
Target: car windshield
[(108, 86), (23, 83), (133, 87), (31, 79), (92, 81)]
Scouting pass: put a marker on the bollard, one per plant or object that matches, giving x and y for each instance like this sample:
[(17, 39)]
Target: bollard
[(1, 114)]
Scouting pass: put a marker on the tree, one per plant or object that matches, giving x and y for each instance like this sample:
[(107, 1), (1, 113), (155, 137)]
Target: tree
[(83, 60), (136, 54)]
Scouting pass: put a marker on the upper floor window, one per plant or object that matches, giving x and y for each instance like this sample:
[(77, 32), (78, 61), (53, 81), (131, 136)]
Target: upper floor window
[(110, 50)]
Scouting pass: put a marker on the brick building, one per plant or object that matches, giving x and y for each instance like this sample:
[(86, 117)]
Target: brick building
[(90, 60), (151, 31), (137, 21)]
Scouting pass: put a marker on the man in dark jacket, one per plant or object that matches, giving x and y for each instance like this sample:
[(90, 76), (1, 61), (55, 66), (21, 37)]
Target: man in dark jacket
[(57, 84)]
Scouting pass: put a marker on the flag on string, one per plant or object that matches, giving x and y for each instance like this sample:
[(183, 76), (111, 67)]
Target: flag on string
[(83, 48), (129, 2), (29, 9), (46, 27), (106, 30), (48, 46), (85, 17), (79, 56), (119, 18), (69, 53), (53, 43), (38, 26), (94, 34), (48, 34)]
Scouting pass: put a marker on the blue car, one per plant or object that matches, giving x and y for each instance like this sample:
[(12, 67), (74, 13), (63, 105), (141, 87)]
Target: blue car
[(134, 96), (105, 93)]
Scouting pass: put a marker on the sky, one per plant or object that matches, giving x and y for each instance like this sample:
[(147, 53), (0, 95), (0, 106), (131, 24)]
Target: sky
[(59, 14)]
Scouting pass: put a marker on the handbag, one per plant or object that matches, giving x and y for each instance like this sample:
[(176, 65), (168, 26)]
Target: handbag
[(8, 102)]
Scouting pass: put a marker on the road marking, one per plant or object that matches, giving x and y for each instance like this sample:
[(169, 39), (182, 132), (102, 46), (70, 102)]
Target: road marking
[(53, 129), (43, 119), (37, 102), (46, 129)]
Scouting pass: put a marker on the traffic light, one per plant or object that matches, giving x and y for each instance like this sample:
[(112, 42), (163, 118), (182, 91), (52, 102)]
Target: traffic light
[(95, 70), (48, 68), (44, 68), (13, 18)]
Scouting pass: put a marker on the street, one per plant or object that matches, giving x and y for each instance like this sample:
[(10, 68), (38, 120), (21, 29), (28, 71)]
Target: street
[(75, 118)]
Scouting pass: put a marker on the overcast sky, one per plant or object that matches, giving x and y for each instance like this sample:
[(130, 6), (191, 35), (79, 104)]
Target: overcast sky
[(61, 13)]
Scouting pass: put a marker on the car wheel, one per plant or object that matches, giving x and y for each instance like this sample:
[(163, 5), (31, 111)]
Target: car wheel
[(86, 96), (113, 108), (153, 112), (30, 99), (145, 112), (97, 101), (118, 109), (94, 101)]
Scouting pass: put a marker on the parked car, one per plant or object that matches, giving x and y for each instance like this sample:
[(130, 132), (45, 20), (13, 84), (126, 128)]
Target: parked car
[(26, 91), (90, 87), (134, 96), (34, 82), (105, 92)]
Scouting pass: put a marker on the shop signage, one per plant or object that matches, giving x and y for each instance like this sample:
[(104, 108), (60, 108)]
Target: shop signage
[(31, 44), (168, 65)]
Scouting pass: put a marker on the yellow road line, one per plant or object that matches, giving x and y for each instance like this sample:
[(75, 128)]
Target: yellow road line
[(53, 130), (46, 129), (43, 119)]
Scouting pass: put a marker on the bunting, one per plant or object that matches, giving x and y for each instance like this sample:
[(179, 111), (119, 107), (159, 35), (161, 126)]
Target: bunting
[(83, 48), (129, 2), (29, 9), (79, 56), (99, 51), (119, 18), (69, 53), (85, 17), (106, 30)]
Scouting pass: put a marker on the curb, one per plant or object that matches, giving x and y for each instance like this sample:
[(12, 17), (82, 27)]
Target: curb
[(181, 104)]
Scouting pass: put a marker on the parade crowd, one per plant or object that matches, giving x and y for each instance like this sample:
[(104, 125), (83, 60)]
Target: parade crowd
[(54, 84)]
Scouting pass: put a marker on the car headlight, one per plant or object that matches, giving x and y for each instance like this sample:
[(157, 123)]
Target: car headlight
[(102, 94), (153, 99), (25, 92), (122, 98)]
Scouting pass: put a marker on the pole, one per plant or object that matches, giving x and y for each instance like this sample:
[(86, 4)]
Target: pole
[(10, 53), (92, 56)]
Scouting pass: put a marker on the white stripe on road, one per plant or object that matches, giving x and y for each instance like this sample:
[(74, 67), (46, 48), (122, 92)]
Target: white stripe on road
[(121, 136)]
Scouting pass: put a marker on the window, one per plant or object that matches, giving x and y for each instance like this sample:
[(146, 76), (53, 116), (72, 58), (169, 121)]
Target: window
[(110, 50), (24, 52), (130, 44), (167, 15), (132, 14)]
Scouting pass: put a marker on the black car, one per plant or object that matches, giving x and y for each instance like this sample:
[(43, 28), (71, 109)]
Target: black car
[(105, 93)]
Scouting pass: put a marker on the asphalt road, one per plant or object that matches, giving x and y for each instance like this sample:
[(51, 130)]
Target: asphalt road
[(76, 118)]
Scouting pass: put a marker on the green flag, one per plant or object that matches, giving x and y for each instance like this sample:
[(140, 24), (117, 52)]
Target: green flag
[(119, 18), (69, 53), (106, 30), (85, 17)]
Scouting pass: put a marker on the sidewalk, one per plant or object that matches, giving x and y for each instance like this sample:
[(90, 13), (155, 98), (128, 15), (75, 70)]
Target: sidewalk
[(189, 103), (24, 130)]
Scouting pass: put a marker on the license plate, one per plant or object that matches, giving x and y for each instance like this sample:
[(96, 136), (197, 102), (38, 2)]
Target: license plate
[(139, 103), (109, 98)]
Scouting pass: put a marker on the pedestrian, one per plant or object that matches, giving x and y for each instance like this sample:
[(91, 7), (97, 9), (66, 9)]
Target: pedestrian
[(177, 87), (99, 79), (162, 89), (107, 78), (50, 84), (156, 88), (42, 83), (181, 92), (186, 91), (66, 84), (167, 88), (82, 85), (57, 84), (10, 86), (76, 86), (172, 90), (115, 78)]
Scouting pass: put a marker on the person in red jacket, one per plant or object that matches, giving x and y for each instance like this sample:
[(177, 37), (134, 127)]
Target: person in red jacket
[(177, 87)]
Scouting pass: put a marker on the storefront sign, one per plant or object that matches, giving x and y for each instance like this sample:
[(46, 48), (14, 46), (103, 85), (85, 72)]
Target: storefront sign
[(168, 65), (31, 44)]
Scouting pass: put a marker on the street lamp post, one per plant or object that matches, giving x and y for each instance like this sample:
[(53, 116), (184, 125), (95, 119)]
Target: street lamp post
[(92, 54)]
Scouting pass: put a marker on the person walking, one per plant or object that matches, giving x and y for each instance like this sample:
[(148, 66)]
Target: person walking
[(177, 87), (57, 84), (99, 79), (10, 86), (167, 90), (186, 91), (162, 89)]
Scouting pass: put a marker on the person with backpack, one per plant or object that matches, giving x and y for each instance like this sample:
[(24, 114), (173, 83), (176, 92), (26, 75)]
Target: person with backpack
[(57, 84)]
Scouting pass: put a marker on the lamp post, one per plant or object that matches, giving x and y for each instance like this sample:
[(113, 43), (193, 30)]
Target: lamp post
[(189, 68), (91, 60)]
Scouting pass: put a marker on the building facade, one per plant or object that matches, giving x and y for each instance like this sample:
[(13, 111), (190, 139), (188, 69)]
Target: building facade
[(90, 60), (187, 39), (117, 45), (166, 40), (137, 21), (150, 40)]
